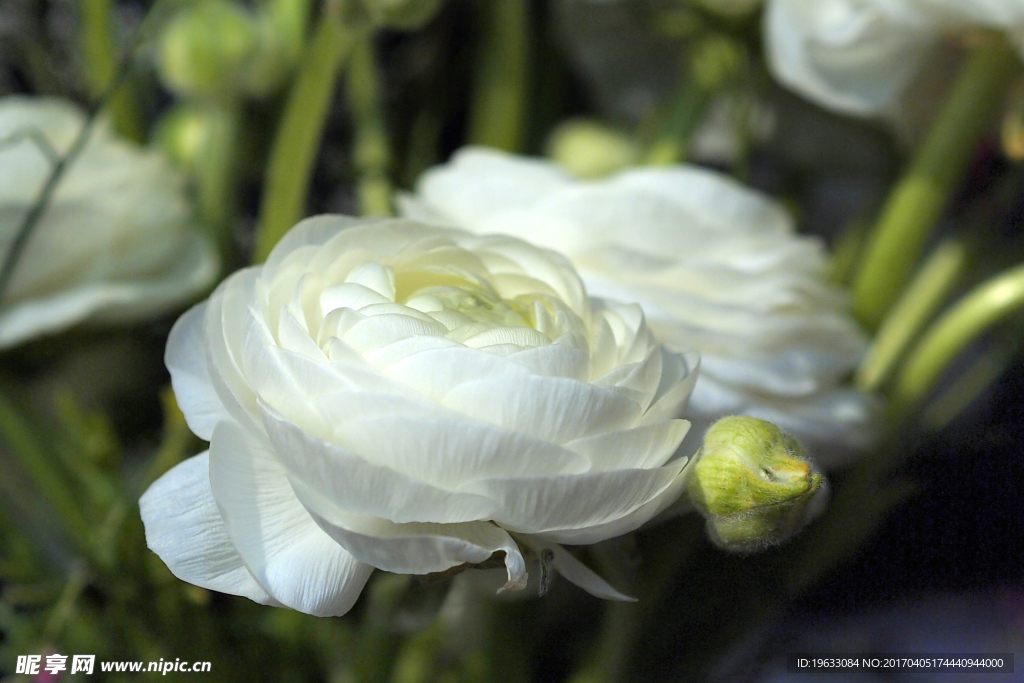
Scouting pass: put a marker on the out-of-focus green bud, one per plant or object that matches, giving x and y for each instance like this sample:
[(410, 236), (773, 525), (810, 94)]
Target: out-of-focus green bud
[(715, 60), (402, 14), (217, 50), (182, 133), (205, 48), (590, 149), (753, 484)]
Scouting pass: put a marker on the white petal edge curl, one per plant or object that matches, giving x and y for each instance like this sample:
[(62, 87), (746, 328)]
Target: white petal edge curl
[(280, 543), (185, 529), (414, 548), (575, 571), (185, 358)]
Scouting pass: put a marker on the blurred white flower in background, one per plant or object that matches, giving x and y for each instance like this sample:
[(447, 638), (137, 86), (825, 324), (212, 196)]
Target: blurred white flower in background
[(859, 56), (387, 394), (716, 267), (116, 242)]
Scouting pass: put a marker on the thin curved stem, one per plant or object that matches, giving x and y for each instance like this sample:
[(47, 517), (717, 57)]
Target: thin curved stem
[(918, 199), (35, 213), (928, 291), (297, 141), (97, 44), (988, 305)]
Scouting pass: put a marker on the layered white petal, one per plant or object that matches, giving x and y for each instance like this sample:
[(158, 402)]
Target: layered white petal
[(365, 488), (185, 358), (185, 528), (415, 547), (537, 505), (280, 543)]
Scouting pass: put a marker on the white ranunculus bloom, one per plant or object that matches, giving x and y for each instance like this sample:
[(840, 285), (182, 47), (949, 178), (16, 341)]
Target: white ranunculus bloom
[(716, 267), (858, 56), (383, 393), (116, 242)]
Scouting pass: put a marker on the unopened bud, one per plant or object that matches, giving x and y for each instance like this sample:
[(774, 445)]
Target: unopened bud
[(218, 50), (754, 484), (183, 133), (402, 14), (590, 149)]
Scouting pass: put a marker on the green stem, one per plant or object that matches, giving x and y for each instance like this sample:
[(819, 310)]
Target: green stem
[(846, 252), (926, 293), (372, 153), (987, 305), (972, 383), (918, 199), (297, 140), (100, 63), (216, 173), (498, 113), (712, 64), (688, 109)]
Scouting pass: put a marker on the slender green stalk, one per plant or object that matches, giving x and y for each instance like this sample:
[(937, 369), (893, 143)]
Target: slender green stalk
[(972, 383), (846, 252), (712, 64), (687, 112), (498, 113), (372, 153), (35, 213), (100, 64), (216, 173), (987, 305), (919, 302), (918, 199), (297, 140)]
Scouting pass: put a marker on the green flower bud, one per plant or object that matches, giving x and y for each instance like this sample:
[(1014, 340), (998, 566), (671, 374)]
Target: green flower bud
[(219, 50), (182, 133), (754, 484), (590, 149), (402, 14)]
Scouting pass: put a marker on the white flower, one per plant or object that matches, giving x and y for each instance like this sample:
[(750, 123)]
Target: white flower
[(715, 266), (858, 56), (393, 395), (115, 243)]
